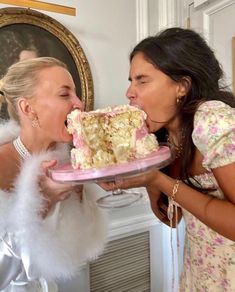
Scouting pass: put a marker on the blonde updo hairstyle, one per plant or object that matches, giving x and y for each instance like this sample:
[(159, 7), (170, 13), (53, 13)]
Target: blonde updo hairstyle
[(22, 78)]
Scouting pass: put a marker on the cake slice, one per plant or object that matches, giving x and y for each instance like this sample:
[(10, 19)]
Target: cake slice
[(109, 136)]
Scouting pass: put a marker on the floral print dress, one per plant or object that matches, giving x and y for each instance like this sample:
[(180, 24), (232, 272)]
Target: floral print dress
[(209, 258)]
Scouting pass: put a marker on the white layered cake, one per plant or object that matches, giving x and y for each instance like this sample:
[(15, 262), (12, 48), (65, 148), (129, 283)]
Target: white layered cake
[(109, 136)]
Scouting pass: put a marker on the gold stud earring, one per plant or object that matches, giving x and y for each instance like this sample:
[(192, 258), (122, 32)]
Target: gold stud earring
[(178, 99)]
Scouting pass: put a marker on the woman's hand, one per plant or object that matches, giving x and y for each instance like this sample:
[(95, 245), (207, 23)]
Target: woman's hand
[(52, 191), (147, 180), (150, 180)]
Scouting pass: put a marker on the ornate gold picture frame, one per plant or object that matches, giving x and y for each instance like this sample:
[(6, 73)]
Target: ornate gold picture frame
[(27, 30)]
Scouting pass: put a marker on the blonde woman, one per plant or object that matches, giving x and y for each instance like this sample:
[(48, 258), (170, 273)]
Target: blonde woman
[(47, 230)]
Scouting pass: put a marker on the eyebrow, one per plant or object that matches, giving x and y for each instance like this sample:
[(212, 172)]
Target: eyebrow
[(138, 77), (67, 87)]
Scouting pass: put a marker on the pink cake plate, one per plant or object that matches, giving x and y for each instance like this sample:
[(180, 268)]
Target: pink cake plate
[(157, 159)]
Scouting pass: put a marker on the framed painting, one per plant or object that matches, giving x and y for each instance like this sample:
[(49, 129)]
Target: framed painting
[(25, 33)]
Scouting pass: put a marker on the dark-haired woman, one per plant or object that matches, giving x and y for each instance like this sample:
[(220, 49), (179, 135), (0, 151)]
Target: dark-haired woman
[(176, 79)]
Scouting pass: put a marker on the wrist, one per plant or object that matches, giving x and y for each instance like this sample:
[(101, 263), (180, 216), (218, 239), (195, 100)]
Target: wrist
[(175, 190), (171, 200)]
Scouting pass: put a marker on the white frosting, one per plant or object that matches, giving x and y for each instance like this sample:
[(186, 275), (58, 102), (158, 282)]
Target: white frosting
[(145, 146)]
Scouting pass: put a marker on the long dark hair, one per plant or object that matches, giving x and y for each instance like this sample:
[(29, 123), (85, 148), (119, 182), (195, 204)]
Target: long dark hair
[(178, 53)]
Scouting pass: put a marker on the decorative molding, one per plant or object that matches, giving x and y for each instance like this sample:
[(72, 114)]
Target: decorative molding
[(42, 6), (188, 21), (199, 2), (128, 226), (210, 11), (162, 14), (180, 13), (142, 29), (166, 13)]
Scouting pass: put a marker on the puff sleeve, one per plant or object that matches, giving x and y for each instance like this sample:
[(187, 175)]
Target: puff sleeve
[(214, 133)]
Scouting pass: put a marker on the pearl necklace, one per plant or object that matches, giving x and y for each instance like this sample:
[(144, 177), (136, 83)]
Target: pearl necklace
[(20, 148)]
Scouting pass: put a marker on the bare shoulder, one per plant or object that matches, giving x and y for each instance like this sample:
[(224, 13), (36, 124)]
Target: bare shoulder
[(8, 166), (4, 151)]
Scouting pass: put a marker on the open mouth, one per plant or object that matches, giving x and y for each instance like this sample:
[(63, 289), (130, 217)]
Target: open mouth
[(66, 123)]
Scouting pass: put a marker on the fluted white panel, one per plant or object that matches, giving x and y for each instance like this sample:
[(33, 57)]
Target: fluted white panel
[(123, 267), (141, 19), (167, 13)]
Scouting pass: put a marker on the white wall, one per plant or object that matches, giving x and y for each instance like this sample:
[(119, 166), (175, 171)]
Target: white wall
[(107, 30)]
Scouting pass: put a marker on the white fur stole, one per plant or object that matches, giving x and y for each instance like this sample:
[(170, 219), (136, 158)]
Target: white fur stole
[(71, 234)]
